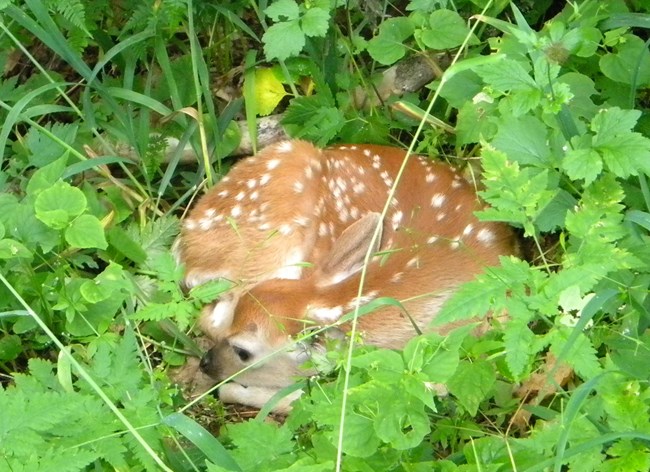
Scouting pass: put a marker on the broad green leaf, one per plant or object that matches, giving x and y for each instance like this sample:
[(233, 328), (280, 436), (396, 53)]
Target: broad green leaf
[(626, 154), (57, 205), (10, 248), (86, 231), (283, 40), (610, 122), (315, 22), (585, 164), (102, 287), (122, 242), (405, 424), (446, 30), (472, 383), (388, 46), (282, 10), (524, 140), (630, 59), (506, 75), (10, 347), (267, 440)]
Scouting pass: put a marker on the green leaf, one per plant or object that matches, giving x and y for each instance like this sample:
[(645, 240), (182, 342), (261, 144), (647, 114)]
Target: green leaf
[(626, 154), (283, 40), (10, 248), (630, 59), (583, 164), (472, 383), (10, 347), (57, 205), (405, 424), (506, 75), (315, 22), (201, 438), (86, 232), (446, 30), (283, 10), (519, 340), (123, 243), (210, 291), (610, 122), (388, 46), (111, 279), (524, 140)]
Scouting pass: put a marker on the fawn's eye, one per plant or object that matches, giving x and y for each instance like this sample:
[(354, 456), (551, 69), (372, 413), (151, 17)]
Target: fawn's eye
[(243, 354)]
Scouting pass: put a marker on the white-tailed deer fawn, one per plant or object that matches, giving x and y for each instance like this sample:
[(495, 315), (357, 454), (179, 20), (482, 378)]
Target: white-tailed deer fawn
[(292, 204)]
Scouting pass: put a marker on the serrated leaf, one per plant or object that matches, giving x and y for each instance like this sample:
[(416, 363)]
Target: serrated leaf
[(583, 164), (86, 231), (283, 40), (472, 383), (612, 121), (282, 10), (210, 291), (269, 91), (506, 75), (446, 30), (315, 22), (626, 154), (404, 425), (518, 340)]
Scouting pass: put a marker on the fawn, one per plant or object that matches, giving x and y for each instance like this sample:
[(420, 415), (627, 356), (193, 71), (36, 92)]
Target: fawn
[(293, 204)]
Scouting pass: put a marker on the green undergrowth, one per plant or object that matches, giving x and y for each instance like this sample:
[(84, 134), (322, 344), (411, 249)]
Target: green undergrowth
[(553, 103)]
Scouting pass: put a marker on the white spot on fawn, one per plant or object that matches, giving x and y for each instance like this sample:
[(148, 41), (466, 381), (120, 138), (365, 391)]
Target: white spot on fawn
[(430, 177), (367, 152), (189, 224), (298, 186), (205, 223), (240, 196), (413, 262), (326, 314), (251, 183), (236, 211), (322, 229), (468, 230), (265, 179), (441, 216), (432, 239), (359, 187), (223, 193), (396, 277), (254, 195), (396, 219), (485, 236), (438, 200), (285, 146), (272, 164)]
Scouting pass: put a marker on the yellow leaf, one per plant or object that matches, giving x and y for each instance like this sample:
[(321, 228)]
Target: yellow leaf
[(268, 91)]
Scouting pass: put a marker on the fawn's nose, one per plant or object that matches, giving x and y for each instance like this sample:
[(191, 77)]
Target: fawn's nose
[(206, 360)]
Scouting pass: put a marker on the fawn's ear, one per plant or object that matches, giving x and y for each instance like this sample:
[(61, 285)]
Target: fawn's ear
[(349, 250)]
